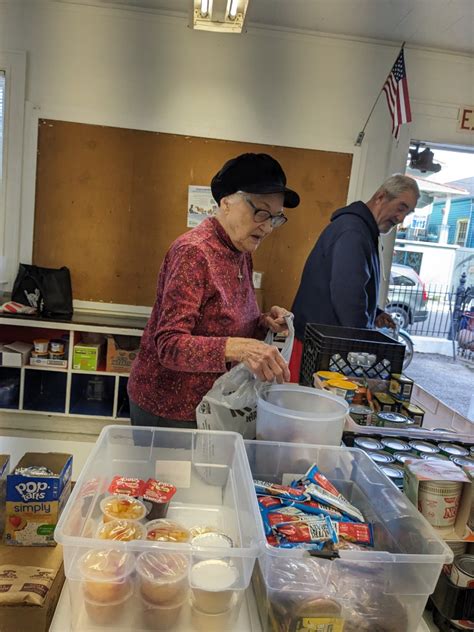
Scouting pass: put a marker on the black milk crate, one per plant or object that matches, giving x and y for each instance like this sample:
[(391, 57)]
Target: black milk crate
[(353, 352)]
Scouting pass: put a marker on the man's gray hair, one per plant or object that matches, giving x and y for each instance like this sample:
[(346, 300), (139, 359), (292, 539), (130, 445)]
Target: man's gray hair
[(398, 184)]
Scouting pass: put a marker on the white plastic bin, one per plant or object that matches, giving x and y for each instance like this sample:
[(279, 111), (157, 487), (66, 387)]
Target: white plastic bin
[(298, 414), (214, 488), (381, 589)]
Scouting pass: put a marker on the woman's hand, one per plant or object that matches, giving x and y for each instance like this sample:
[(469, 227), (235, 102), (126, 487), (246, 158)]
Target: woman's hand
[(265, 361), (275, 319)]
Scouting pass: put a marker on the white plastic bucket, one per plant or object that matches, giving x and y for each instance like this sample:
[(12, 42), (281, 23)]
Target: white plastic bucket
[(299, 414)]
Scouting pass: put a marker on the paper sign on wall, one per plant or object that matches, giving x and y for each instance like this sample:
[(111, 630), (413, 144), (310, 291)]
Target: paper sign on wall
[(201, 204)]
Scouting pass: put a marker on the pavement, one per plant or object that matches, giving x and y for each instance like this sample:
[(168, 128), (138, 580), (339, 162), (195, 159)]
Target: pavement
[(451, 382)]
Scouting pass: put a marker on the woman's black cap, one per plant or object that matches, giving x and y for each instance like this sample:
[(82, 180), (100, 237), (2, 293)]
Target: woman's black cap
[(253, 173)]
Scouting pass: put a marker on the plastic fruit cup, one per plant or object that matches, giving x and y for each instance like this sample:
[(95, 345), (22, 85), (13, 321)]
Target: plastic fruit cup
[(106, 575), (205, 622), (161, 617), (163, 530), (109, 613), (211, 582), (124, 530), (163, 577), (122, 507)]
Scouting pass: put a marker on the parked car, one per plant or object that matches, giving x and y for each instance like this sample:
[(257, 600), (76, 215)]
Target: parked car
[(407, 297)]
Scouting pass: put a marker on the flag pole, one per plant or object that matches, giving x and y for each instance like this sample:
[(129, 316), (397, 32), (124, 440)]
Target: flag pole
[(360, 136)]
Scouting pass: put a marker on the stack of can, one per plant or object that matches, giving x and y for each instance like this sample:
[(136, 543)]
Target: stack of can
[(390, 453), (462, 575)]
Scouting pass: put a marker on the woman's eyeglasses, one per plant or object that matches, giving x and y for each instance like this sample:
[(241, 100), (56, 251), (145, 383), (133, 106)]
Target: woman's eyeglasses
[(260, 215)]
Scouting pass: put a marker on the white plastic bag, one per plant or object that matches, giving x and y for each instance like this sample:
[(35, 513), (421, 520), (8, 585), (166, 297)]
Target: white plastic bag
[(231, 404)]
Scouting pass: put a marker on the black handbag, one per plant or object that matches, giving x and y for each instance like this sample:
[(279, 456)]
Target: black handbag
[(49, 290)]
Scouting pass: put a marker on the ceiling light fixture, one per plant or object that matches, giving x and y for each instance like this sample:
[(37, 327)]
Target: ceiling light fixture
[(222, 16)]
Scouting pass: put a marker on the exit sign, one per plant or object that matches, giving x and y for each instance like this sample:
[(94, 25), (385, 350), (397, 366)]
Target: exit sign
[(466, 118)]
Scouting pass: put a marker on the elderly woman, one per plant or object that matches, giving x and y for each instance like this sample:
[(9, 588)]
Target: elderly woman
[(205, 316)]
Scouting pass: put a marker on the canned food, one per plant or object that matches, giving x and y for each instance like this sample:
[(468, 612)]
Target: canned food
[(394, 445), (381, 457), (362, 415), (342, 388), (451, 449), (367, 443), (391, 420), (458, 548), (434, 457), (401, 386), (324, 376), (462, 460), (394, 473), (401, 457), (462, 571), (384, 402), (414, 412), (423, 447)]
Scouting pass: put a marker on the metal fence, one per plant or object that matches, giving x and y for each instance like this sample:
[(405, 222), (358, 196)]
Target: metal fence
[(434, 310)]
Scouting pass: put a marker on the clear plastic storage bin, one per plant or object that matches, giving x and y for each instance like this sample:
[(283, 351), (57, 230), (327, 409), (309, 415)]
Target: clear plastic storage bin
[(144, 585), (384, 589), (298, 414)]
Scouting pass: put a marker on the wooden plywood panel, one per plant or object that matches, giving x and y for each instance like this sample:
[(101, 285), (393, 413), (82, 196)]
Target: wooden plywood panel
[(109, 202)]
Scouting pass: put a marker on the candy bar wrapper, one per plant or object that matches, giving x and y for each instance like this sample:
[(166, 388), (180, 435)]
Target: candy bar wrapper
[(271, 517), (314, 508), (280, 491), (313, 530), (360, 533), (269, 502), (313, 475), (320, 495)]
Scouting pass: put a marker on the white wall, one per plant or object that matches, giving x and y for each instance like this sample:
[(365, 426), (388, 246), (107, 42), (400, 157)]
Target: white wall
[(146, 71)]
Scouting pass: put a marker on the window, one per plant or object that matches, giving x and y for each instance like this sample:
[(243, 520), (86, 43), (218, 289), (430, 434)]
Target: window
[(461, 232), (399, 279), (2, 110)]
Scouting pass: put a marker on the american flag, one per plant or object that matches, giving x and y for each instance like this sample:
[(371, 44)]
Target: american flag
[(396, 91)]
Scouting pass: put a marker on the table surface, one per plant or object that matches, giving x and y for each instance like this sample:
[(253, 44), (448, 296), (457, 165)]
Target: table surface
[(17, 446)]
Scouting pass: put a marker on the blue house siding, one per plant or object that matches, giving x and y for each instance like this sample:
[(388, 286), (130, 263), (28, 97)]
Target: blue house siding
[(461, 208)]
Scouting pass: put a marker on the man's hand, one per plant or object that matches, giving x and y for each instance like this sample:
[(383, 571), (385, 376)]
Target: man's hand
[(275, 319), (265, 361), (385, 320)]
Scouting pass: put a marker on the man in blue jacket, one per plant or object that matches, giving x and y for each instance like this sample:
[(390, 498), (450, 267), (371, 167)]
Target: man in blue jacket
[(340, 280)]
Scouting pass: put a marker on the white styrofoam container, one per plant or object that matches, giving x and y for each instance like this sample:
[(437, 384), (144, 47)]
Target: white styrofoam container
[(386, 587), (214, 488)]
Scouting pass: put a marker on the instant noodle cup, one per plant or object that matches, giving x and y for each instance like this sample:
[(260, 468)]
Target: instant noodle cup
[(124, 530), (122, 507), (162, 576), (212, 582), (163, 530), (106, 575), (106, 613), (161, 617)]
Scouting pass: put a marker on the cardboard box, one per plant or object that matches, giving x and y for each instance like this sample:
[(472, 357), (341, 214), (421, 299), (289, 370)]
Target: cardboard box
[(121, 352), (441, 471), (59, 364), (15, 354), (4, 469), (87, 356), (34, 503), (30, 618)]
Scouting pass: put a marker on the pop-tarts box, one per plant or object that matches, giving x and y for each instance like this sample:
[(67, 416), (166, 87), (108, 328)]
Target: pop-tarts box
[(34, 502)]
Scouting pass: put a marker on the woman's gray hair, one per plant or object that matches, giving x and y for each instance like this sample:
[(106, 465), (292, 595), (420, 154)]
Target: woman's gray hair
[(398, 184)]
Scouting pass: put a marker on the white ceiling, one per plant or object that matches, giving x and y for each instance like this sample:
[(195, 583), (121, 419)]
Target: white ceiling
[(441, 24)]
